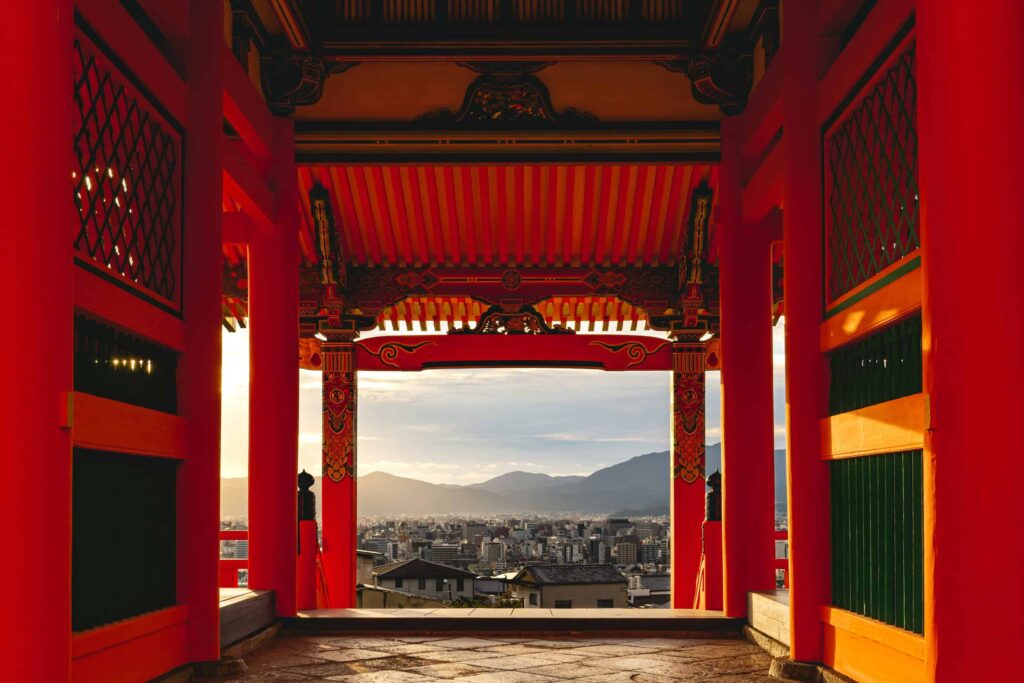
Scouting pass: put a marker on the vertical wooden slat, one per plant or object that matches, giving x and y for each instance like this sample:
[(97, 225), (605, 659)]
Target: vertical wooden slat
[(592, 222), (877, 551), (477, 230), (541, 224)]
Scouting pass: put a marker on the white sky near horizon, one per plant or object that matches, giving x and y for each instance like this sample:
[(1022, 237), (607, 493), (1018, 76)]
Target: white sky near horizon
[(462, 426)]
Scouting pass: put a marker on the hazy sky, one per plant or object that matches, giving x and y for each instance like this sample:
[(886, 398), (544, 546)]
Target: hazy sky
[(465, 426)]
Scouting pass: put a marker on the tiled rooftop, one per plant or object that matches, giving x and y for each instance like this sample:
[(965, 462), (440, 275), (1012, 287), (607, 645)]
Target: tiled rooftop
[(487, 659)]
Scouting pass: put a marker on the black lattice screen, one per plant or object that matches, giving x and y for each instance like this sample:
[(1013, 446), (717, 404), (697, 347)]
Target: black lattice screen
[(120, 366), (127, 180), (123, 535), (872, 217)]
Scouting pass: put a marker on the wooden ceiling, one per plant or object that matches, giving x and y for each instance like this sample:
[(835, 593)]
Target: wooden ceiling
[(508, 215), (396, 217), (397, 81), (504, 134)]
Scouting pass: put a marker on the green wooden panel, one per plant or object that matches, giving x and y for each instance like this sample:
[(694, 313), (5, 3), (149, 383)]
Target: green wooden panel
[(877, 538), (882, 367)]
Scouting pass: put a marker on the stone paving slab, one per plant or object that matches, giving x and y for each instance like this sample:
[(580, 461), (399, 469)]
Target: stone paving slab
[(484, 659)]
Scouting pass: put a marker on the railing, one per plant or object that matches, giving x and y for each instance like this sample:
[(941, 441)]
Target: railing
[(781, 560), (232, 568)]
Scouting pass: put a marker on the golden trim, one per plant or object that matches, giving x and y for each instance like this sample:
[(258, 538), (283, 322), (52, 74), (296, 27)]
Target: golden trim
[(895, 300), (889, 427)]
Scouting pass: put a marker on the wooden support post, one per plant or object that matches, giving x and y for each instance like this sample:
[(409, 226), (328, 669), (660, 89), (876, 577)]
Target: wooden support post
[(274, 386), (687, 469), (710, 593), (309, 545), (748, 492), (306, 566), (38, 216), (339, 474), (199, 369), (808, 490), (970, 110)]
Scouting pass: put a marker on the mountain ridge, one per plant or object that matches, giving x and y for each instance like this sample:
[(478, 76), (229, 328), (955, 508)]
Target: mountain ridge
[(638, 486)]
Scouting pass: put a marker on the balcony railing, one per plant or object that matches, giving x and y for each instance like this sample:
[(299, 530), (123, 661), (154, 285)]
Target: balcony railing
[(234, 571), (781, 560)]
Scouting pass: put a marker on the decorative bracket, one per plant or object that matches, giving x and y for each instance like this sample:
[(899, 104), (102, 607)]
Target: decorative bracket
[(723, 78), (506, 95), (332, 266), (697, 310), (291, 80), (512, 320)]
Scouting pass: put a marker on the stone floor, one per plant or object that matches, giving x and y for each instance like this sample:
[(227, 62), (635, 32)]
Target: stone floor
[(291, 657)]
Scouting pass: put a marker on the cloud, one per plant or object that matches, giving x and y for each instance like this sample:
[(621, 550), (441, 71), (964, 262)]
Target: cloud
[(310, 438), (429, 427), (416, 465), (466, 425), (586, 438)]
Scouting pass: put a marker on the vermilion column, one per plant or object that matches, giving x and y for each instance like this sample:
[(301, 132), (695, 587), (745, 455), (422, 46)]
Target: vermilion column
[(274, 387), (38, 220), (199, 369), (339, 474), (808, 490), (687, 469), (748, 491), (970, 114)]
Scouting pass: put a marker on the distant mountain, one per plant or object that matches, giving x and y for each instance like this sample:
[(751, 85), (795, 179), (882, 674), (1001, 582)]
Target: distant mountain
[(637, 487), (515, 482), (380, 493), (234, 496)]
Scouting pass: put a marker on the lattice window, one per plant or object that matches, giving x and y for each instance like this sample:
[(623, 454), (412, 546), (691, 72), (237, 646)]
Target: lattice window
[(872, 218), (127, 180)]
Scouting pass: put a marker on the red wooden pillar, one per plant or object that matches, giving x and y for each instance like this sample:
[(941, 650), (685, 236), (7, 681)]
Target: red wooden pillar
[(274, 386), (687, 469), (338, 519), (970, 112), (808, 490), (199, 370), (37, 216), (748, 491)]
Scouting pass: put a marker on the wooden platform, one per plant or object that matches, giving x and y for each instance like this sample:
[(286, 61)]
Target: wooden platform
[(244, 612), (768, 612), (681, 623)]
